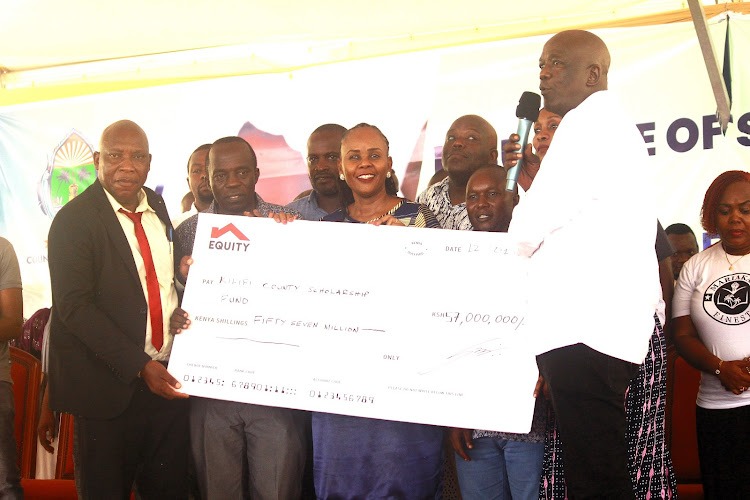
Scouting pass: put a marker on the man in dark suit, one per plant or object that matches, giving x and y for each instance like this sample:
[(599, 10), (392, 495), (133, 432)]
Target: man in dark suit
[(111, 270)]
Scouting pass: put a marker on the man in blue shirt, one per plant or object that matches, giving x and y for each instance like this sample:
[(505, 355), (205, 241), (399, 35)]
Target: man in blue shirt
[(323, 155)]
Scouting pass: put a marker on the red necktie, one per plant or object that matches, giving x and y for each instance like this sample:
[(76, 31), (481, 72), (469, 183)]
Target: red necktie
[(152, 283)]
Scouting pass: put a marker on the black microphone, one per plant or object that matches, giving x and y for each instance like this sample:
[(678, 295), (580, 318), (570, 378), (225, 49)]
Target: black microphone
[(527, 113)]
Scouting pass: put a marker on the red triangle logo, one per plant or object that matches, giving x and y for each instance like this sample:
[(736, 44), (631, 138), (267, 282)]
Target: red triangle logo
[(216, 232)]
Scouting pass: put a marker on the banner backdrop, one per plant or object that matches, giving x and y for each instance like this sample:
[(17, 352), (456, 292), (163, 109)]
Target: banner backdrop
[(739, 40), (46, 148)]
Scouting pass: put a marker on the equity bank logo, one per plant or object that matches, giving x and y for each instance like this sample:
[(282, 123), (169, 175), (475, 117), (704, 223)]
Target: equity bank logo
[(228, 244)]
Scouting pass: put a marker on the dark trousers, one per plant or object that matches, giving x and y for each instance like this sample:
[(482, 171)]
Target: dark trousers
[(146, 447), (587, 390), (247, 451), (10, 477), (723, 440)]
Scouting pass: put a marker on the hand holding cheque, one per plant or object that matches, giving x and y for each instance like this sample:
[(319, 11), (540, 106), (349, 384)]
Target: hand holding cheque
[(365, 329)]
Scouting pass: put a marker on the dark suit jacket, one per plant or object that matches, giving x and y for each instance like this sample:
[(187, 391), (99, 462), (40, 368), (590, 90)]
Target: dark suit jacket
[(98, 329)]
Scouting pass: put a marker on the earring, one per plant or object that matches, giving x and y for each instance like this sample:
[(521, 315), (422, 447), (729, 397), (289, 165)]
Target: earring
[(388, 174), (341, 176)]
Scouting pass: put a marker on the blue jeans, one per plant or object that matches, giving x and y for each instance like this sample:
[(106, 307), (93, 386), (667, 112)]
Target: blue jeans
[(10, 477), (501, 469)]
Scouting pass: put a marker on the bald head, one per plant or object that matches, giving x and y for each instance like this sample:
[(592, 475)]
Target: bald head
[(489, 135), (587, 45), (573, 65), (123, 127), (470, 144), (123, 162)]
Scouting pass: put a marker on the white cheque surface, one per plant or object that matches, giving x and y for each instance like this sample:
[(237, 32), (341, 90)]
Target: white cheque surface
[(410, 324)]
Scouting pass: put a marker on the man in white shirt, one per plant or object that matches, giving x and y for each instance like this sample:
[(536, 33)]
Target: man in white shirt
[(591, 328), (197, 180)]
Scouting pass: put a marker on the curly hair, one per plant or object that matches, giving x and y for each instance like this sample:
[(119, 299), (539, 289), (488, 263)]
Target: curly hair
[(346, 197), (713, 197)]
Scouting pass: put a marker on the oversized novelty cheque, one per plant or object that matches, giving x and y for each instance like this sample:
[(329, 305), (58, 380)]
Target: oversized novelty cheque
[(411, 324)]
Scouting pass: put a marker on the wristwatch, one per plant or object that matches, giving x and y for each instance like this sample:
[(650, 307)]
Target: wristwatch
[(718, 368)]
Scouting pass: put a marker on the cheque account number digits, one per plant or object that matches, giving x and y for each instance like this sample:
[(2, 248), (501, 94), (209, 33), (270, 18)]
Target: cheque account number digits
[(352, 398), (203, 380), (253, 386)]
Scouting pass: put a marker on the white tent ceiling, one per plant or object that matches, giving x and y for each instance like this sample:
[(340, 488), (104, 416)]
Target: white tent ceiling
[(42, 33), (52, 49)]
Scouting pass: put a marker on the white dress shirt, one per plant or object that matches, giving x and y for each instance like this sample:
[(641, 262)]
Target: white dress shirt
[(588, 226), (161, 252), (176, 221)]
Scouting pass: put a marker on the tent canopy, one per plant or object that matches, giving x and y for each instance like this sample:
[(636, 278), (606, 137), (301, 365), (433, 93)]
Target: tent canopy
[(51, 50)]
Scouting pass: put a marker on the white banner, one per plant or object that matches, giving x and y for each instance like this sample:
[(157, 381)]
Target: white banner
[(367, 326), (46, 148)]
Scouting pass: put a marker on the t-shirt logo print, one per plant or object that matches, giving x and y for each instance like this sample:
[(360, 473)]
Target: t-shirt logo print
[(731, 300), (727, 300)]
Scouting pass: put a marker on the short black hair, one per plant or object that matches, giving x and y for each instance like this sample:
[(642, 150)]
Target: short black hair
[(199, 148), (333, 127), (679, 228), (229, 140)]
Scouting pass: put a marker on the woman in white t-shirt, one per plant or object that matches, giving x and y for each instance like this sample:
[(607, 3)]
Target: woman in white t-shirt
[(711, 310)]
